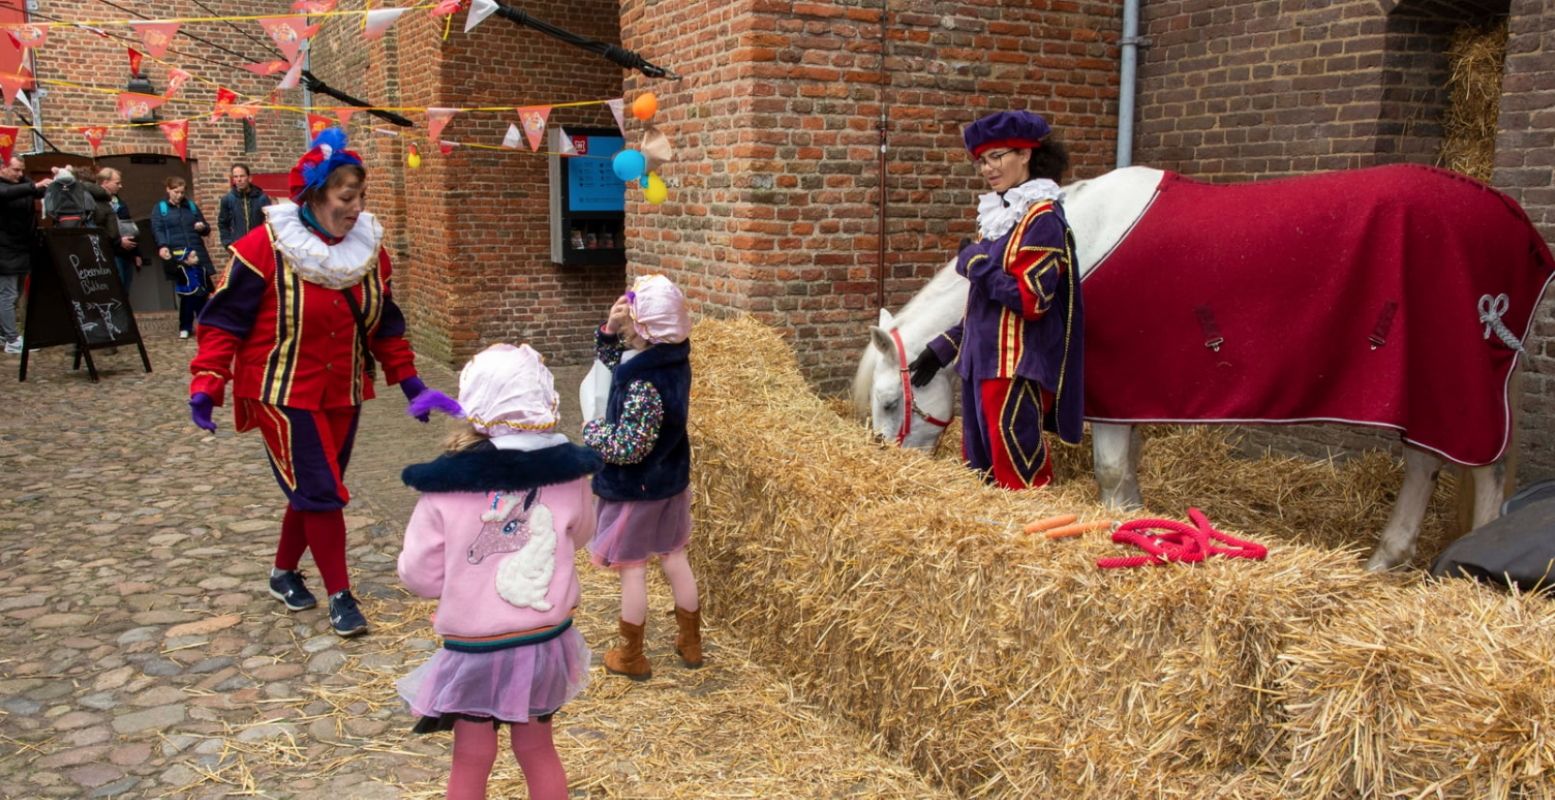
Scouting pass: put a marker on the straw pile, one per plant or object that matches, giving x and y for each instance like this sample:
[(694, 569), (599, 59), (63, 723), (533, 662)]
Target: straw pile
[(1475, 60), (896, 590)]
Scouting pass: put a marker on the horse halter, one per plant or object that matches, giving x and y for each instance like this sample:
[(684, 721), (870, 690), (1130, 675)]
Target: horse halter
[(909, 402)]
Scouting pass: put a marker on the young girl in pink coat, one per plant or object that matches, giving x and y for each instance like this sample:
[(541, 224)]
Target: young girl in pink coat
[(492, 538)]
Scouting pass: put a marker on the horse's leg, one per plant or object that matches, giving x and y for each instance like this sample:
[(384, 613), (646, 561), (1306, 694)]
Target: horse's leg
[(1489, 491), (1116, 449), (1396, 545)]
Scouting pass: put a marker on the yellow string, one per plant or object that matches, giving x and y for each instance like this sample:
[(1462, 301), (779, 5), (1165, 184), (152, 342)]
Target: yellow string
[(181, 20)]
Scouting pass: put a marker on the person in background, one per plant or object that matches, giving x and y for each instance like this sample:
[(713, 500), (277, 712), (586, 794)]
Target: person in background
[(18, 241), (180, 231), (126, 252), (242, 209)]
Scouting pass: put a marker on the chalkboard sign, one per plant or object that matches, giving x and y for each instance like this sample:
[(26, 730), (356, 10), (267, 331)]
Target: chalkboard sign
[(74, 297)]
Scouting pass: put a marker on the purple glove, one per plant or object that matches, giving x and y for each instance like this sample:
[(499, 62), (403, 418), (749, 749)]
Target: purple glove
[(200, 406), (424, 401)]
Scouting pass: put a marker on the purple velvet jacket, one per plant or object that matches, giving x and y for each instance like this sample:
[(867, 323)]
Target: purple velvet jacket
[(1023, 314)]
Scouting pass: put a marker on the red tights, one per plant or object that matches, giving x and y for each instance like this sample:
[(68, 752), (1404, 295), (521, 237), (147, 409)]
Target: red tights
[(323, 532)]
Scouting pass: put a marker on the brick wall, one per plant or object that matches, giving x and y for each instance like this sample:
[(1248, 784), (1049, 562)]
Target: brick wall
[(80, 57), (1525, 155), (773, 205), (1235, 91), (469, 229)]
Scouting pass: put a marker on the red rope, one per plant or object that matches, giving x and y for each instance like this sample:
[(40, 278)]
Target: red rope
[(1167, 540)]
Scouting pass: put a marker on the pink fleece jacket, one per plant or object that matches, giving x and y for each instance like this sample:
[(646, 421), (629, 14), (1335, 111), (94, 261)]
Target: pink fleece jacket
[(498, 562)]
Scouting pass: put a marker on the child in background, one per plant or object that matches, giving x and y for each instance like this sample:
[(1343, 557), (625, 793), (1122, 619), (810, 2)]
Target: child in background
[(645, 502), (492, 537)]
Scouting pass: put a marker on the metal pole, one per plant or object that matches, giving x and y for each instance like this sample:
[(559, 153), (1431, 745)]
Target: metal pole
[(1126, 81), (884, 127)]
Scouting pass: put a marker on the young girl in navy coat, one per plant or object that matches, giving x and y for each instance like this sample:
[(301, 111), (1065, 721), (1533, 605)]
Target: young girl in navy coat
[(643, 490)]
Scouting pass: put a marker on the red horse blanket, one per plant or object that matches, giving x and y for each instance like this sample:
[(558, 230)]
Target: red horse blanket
[(1383, 297)]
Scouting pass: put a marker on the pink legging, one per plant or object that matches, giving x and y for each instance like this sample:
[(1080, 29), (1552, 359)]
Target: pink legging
[(634, 586), (475, 752)]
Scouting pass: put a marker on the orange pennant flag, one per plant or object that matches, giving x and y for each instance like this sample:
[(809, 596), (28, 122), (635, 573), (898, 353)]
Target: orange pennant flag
[(157, 36), (344, 115), (7, 143), (264, 68), (176, 78), (25, 36), (135, 57), (177, 133), (133, 105), (224, 100), (317, 124), (437, 119), (288, 33), (94, 136), (533, 118), (11, 83)]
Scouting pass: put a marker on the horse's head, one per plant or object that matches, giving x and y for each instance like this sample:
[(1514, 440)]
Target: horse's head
[(909, 415)]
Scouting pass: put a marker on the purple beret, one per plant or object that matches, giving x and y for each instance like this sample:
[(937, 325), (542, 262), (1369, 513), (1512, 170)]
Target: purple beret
[(1005, 129)]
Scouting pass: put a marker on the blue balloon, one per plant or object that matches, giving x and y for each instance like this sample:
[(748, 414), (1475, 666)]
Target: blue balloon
[(628, 165)]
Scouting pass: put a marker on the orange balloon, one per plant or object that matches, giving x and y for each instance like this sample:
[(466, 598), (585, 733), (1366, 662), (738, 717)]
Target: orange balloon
[(645, 106)]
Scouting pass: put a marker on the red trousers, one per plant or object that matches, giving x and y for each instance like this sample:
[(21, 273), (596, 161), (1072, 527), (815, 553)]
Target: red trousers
[(1008, 441)]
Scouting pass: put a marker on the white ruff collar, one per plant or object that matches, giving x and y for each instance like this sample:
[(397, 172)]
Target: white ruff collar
[(335, 266), (997, 215)]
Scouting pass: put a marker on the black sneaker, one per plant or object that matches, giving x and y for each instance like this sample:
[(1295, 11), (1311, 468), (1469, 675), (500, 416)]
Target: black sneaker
[(344, 616), (288, 588)]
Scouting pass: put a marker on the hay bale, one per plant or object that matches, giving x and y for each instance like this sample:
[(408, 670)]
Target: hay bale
[(897, 590), (1476, 58)]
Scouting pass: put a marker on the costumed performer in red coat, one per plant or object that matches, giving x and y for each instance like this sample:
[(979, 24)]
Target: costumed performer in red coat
[(305, 313)]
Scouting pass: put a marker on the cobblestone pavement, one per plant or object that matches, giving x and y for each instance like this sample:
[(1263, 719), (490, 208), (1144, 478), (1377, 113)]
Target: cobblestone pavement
[(142, 657)]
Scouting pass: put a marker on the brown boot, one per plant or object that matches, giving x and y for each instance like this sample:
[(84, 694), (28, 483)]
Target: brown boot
[(628, 659), (688, 642)]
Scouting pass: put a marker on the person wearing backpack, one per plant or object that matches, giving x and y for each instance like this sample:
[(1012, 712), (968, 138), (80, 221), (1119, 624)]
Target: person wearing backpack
[(242, 209), (179, 230), (18, 242), (67, 202)]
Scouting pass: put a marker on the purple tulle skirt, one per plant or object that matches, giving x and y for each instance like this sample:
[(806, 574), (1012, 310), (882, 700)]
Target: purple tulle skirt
[(631, 532), (512, 685)]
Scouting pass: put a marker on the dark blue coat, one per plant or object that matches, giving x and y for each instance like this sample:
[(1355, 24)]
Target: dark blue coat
[(173, 228), (666, 471), (240, 214)]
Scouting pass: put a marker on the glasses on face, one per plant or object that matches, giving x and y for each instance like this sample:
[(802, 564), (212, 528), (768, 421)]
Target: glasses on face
[(990, 158)]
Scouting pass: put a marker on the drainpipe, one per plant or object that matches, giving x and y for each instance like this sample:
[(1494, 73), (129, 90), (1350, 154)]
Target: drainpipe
[(1131, 41), (885, 10)]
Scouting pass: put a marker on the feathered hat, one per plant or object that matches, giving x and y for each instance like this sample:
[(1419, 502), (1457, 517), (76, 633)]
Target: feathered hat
[(327, 152)]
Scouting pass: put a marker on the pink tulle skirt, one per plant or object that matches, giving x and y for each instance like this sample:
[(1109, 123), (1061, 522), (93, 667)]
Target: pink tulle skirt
[(631, 532), (512, 685)]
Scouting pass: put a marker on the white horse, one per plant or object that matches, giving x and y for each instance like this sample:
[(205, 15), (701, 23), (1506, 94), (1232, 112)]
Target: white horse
[(1101, 211)]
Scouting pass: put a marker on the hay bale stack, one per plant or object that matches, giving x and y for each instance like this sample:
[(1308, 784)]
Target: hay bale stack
[(1476, 59), (898, 591)]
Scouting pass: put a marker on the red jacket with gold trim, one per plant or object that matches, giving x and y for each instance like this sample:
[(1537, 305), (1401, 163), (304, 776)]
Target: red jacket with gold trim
[(282, 340)]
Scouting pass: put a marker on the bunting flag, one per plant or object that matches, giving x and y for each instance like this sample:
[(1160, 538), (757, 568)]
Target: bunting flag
[(315, 6), (224, 99), (247, 111), (134, 61), (533, 119), (177, 133), (344, 115), (288, 33), (567, 147), (133, 105), (377, 22), (267, 68), (25, 36), (13, 83), (446, 147), (7, 143), (445, 8), (292, 77), (512, 139), (618, 108), (156, 36), (176, 78), (437, 119), (479, 11), (317, 124), (94, 136)]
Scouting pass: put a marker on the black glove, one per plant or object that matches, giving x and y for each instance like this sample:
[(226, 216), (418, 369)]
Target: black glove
[(924, 367)]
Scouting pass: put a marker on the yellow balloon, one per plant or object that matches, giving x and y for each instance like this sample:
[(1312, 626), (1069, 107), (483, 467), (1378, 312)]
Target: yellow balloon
[(413, 158), (656, 192)]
